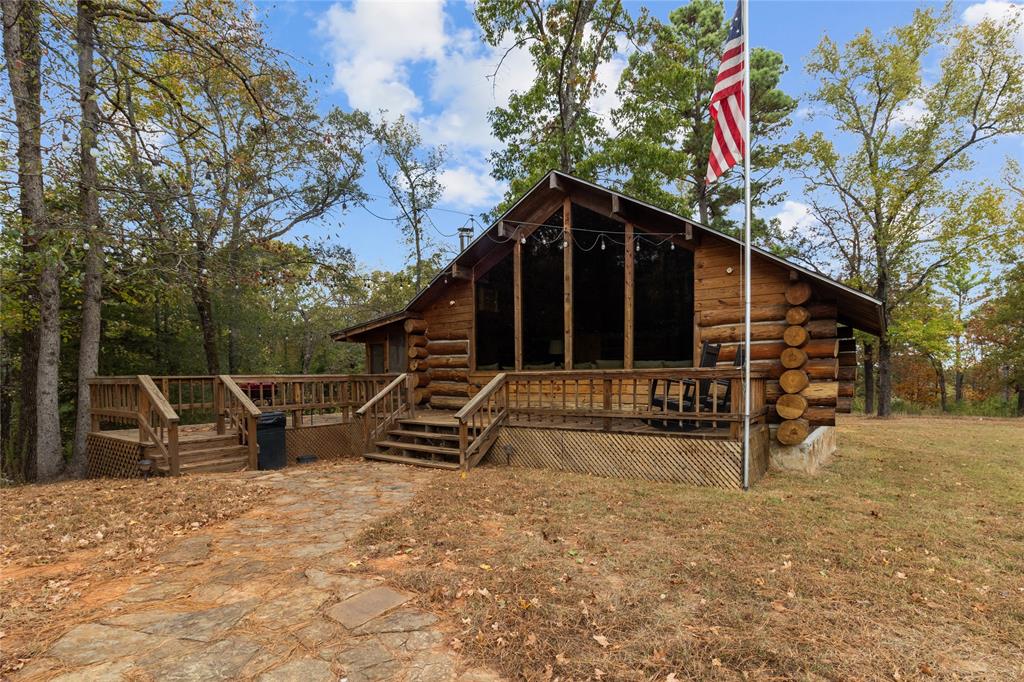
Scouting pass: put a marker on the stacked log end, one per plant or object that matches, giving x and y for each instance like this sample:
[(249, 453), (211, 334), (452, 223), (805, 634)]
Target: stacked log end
[(416, 351), (792, 405)]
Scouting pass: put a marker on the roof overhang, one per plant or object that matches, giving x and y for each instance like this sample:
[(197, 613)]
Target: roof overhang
[(347, 333), (857, 309)]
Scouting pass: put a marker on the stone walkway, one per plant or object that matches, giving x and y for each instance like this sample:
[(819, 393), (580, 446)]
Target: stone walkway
[(269, 597)]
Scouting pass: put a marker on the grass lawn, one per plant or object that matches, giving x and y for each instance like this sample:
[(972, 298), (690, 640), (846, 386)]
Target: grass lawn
[(903, 560)]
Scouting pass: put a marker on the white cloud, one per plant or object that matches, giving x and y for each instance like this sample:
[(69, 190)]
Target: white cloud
[(471, 188), (999, 11), (793, 215), (463, 86), (910, 114), (374, 43), (608, 75)]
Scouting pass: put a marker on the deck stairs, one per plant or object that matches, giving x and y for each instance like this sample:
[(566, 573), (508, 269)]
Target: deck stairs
[(431, 439), (203, 453)]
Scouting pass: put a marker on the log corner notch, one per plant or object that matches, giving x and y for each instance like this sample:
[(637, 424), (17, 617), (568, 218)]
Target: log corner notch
[(791, 406), (416, 350)]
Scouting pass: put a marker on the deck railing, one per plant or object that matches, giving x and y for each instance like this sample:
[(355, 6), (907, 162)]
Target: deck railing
[(157, 406), (682, 399), (137, 402), (481, 417), (240, 412), (381, 411), (304, 396)]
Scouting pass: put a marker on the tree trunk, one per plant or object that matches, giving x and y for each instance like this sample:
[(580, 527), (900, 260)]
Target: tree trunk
[(233, 292), (204, 310), (49, 452), (92, 293), (940, 375), (23, 57), (958, 386), (884, 376), (869, 378), (1020, 400)]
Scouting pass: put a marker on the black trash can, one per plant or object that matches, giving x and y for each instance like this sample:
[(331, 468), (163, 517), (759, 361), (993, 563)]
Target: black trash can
[(270, 436)]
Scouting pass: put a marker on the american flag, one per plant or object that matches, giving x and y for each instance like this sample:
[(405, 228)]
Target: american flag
[(728, 145)]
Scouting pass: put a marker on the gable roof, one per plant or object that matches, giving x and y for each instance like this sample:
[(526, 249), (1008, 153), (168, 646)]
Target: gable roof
[(857, 309)]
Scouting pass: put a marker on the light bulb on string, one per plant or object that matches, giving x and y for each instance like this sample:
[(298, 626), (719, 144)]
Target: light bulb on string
[(637, 244), (672, 246), (602, 242)]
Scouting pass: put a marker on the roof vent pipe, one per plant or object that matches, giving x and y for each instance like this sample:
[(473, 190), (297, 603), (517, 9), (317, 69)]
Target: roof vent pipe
[(465, 237)]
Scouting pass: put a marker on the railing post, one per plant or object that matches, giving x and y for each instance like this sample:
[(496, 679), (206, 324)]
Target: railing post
[(252, 443), (463, 443), (606, 423), (218, 404), (735, 407), (297, 399), (174, 462), (143, 415), (410, 393)]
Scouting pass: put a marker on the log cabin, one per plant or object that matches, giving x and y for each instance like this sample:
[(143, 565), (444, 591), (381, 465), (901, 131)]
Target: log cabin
[(588, 331)]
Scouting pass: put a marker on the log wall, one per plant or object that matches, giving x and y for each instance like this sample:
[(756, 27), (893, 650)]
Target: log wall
[(794, 334)]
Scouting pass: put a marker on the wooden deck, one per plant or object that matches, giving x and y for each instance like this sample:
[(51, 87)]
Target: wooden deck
[(682, 423)]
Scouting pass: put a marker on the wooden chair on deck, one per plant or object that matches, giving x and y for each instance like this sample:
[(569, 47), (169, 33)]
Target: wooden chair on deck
[(668, 399), (708, 401)]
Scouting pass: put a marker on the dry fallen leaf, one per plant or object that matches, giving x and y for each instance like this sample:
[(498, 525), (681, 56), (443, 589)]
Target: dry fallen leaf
[(601, 639)]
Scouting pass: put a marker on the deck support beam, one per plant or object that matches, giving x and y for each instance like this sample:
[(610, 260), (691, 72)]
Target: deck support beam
[(517, 297), (627, 335), (567, 283)]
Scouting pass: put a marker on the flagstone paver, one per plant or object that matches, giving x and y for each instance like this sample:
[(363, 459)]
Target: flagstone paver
[(271, 596)]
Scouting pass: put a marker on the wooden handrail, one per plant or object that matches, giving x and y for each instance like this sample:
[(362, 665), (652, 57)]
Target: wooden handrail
[(157, 399), (239, 395), (480, 398), (675, 373), (380, 396), (150, 398), (246, 421), (490, 405)]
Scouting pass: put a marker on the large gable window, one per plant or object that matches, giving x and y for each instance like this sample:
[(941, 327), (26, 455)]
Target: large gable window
[(543, 308), (598, 290), (495, 317)]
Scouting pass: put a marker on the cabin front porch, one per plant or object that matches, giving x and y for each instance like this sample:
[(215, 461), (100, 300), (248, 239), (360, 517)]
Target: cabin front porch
[(682, 424)]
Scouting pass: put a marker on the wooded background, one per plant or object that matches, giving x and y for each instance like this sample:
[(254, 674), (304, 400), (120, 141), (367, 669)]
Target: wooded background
[(156, 160)]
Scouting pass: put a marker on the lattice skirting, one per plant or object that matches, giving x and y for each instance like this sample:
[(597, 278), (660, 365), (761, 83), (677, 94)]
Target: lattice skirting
[(327, 441), (109, 457), (654, 457)]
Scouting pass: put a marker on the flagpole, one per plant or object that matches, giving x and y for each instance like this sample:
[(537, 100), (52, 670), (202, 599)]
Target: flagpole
[(746, 246)]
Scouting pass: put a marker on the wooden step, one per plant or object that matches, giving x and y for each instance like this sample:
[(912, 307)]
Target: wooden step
[(414, 461), (213, 453), (204, 443), (417, 447), (209, 466), (428, 435)]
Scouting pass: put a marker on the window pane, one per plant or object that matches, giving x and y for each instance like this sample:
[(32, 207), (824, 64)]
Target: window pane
[(598, 290), (543, 313), (663, 295), (495, 317), (376, 358), (396, 352)]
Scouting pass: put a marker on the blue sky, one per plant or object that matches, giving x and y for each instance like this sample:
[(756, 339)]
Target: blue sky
[(424, 58)]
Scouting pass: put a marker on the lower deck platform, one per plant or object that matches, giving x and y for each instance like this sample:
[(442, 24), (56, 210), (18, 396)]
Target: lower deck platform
[(616, 448)]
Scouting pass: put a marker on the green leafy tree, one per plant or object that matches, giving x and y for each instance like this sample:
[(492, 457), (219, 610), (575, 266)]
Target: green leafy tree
[(890, 210), (411, 172), (926, 328), (660, 153), (552, 123)]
